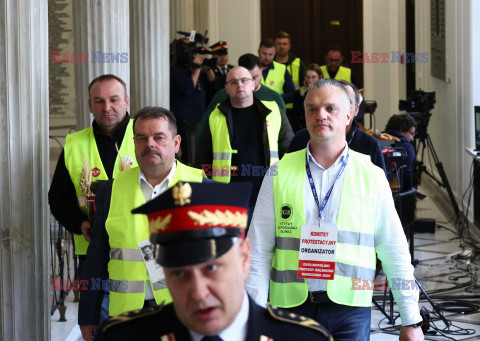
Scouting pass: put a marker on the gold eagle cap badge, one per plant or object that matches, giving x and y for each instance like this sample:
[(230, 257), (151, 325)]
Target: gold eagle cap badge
[(182, 193)]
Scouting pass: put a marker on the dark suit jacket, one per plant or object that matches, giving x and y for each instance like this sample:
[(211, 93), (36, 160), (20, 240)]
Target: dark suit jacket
[(98, 255), (157, 322)]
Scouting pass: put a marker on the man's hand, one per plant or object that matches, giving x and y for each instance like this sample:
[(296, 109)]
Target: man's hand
[(411, 334), (198, 59), (86, 230), (88, 332)]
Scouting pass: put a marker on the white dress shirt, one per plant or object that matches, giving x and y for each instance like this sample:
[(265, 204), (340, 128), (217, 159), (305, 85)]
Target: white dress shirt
[(149, 192), (237, 331), (390, 242)]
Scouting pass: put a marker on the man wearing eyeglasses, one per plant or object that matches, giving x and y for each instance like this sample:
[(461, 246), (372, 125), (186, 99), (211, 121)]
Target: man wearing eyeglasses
[(118, 237), (244, 135)]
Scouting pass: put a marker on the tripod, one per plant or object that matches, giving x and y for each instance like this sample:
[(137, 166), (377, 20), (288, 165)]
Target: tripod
[(407, 219), (424, 141)]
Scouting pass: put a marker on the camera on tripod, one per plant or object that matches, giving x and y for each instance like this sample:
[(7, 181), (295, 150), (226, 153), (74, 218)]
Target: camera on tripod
[(182, 51), (418, 105)]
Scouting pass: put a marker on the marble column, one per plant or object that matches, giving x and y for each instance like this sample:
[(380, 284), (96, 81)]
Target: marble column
[(150, 62), (24, 232), (101, 30), (182, 17)]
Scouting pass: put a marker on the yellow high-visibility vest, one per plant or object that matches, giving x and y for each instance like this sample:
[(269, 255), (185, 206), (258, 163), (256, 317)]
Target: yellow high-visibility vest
[(82, 143), (126, 269)]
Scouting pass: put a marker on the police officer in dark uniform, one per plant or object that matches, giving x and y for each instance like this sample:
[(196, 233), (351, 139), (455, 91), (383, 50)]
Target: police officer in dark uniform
[(220, 67), (199, 233)]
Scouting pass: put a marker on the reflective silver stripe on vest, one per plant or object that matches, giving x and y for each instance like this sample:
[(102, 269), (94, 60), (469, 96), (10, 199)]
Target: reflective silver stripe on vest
[(274, 154), (286, 276), (341, 269), (283, 243), (356, 238), (127, 287), (222, 156), (353, 271), (132, 255), (160, 285)]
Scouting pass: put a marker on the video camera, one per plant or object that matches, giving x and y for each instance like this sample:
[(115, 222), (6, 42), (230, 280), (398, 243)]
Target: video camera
[(419, 101), (418, 105), (182, 51)]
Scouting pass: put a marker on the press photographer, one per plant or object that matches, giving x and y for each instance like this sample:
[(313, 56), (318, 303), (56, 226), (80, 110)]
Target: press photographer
[(188, 78)]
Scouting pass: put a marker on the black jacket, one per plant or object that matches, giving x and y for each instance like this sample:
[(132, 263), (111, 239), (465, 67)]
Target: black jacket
[(273, 323), (204, 151)]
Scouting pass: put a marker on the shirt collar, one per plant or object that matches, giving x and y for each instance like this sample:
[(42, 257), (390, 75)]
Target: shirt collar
[(340, 159), (237, 330), (167, 180)]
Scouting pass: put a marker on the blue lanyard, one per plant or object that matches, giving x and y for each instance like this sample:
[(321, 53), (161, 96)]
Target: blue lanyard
[(312, 185)]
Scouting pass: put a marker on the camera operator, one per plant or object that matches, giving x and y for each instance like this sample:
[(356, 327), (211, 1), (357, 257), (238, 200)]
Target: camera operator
[(403, 127), (187, 93)]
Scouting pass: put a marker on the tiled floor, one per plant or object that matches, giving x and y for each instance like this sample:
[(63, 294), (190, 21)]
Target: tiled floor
[(433, 272)]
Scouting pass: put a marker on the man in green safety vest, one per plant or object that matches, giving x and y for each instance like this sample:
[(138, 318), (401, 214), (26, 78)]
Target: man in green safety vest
[(320, 221), (275, 75), (99, 152), (334, 68), (244, 135), (295, 66), (118, 236)]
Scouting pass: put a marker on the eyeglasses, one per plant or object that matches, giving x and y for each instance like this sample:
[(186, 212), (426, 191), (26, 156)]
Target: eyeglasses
[(237, 81)]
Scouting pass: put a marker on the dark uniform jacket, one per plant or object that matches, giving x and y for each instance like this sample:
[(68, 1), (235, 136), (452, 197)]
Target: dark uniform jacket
[(156, 323), (219, 82)]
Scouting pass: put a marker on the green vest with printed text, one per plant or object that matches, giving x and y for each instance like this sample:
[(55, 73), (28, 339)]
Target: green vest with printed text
[(344, 73), (276, 77), (82, 144), (294, 69), (126, 269), (222, 149), (355, 252)]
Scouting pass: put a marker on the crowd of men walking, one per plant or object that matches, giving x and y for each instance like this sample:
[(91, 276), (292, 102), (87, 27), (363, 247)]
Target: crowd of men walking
[(186, 182)]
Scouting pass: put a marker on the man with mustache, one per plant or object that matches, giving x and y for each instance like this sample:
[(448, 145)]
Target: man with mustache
[(107, 147), (200, 232), (118, 236)]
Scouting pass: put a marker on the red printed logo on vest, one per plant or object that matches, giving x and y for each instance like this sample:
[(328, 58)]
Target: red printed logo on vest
[(268, 123), (272, 82), (95, 172)]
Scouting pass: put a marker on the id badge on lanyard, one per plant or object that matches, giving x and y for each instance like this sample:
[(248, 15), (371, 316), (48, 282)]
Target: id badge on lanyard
[(155, 270), (318, 243)]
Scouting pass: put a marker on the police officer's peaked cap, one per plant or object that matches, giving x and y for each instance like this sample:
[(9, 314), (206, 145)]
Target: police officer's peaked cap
[(220, 47), (196, 222)]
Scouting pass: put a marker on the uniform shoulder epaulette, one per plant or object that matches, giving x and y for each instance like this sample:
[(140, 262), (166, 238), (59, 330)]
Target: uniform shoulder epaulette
[(286, 316), (130, 316)]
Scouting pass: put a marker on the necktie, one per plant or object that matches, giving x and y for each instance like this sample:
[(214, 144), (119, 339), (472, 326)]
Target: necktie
[(212, 338), (224, 71)]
